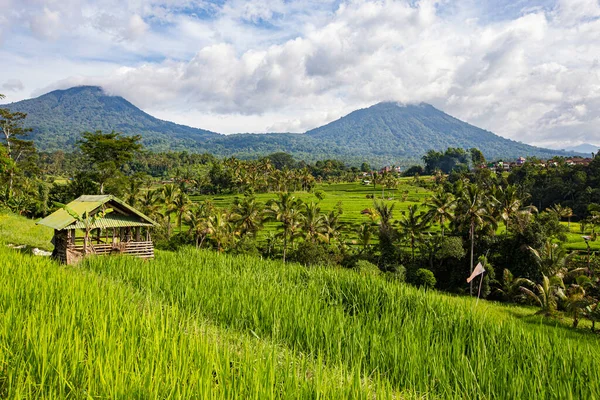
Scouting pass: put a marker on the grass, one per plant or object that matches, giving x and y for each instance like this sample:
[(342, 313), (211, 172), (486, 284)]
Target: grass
[(425, 342), (68, 333), (197, 324), (17, 230)]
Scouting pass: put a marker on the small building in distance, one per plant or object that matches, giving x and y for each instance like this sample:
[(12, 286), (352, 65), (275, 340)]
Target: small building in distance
[(106, 225)]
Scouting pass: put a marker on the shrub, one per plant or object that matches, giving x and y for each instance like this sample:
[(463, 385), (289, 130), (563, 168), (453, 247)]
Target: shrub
[(309, 253), (367, 268), (424, 278)]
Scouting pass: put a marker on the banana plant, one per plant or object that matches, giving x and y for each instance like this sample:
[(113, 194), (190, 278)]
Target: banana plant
[(87, 219)]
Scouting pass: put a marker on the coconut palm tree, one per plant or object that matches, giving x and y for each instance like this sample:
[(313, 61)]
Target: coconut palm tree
[(149, 202), (285, 209), (364, 234), (562, 212), (510, 204), (576, 302), (440, 207), (313, 224), (474, 211), (412, 225), (181, 204), (198, 220), (170, 193), (220, 228), (333, 226), (247, 216)]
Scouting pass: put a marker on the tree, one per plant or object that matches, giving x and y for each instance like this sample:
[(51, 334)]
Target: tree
[(562, 212), (510, 204), (12, 128), (247, 215), (477, 157), (181, 204), (551, 258), (313, 225), (170, 193), (473, 212), (198, 220), (286, 209), (412, 226), (440, 207), (547, 293), (364, 234), (108, 152)]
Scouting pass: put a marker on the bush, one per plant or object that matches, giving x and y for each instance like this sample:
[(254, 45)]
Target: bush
[(309, 253), (367, 268), (424, 278)]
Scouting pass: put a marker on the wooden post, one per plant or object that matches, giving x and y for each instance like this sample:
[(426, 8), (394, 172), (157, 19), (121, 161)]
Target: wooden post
[(138, 234)]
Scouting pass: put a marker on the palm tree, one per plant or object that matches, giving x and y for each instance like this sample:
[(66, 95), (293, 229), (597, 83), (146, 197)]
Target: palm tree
[(551, 258), (412, 226), (181, 205), (333, 226), (510, 204), (132, 192), (547, 293), (220, 229), (385, 213), (198, 220), (473, 212), (149, 202), (562, 212), (247, 215), (170, 193), (364, 234), (286, 209), (313, 224), (576, 302), (440, 207)]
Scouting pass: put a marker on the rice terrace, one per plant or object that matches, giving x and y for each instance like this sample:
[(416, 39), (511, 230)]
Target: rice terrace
[(370, 199)]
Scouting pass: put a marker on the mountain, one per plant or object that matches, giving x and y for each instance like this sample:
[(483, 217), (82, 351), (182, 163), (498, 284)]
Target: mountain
[(584, 148), (386, 133), (411, 130), (59, 117)]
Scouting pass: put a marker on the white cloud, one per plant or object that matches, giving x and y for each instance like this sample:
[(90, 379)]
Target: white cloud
[(532, 73), (13, 85)]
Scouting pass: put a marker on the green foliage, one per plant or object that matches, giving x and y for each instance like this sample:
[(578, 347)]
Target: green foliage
[(424, 278), (367, 268), (381, 135), (68, 333)]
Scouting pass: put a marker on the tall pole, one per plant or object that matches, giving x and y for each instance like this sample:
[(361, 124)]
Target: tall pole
[(472, 249)]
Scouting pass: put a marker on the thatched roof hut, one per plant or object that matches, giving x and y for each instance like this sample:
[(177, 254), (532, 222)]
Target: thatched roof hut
[(108, 226)]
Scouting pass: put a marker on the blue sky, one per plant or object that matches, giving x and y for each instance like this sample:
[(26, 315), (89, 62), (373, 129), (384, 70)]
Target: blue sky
[(527, 70)]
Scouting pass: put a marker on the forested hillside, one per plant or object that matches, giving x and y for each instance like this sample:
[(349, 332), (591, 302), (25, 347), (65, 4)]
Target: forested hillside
[(386, 133)]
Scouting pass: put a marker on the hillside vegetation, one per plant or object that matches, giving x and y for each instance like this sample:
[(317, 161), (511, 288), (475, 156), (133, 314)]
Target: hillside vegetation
[(386, 133)]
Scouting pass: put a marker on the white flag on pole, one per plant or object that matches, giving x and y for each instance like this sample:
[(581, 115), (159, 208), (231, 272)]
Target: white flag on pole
[(476, 272)]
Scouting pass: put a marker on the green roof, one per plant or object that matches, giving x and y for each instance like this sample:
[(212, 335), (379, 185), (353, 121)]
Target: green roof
[(123, 215)]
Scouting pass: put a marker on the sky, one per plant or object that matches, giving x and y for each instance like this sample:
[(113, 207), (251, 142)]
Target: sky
[(525, 70)]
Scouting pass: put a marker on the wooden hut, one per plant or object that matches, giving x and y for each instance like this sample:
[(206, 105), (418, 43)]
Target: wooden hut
[(100, 225)]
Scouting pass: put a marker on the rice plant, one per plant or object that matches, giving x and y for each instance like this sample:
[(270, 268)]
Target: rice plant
[(417, 341), (69, 333)]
